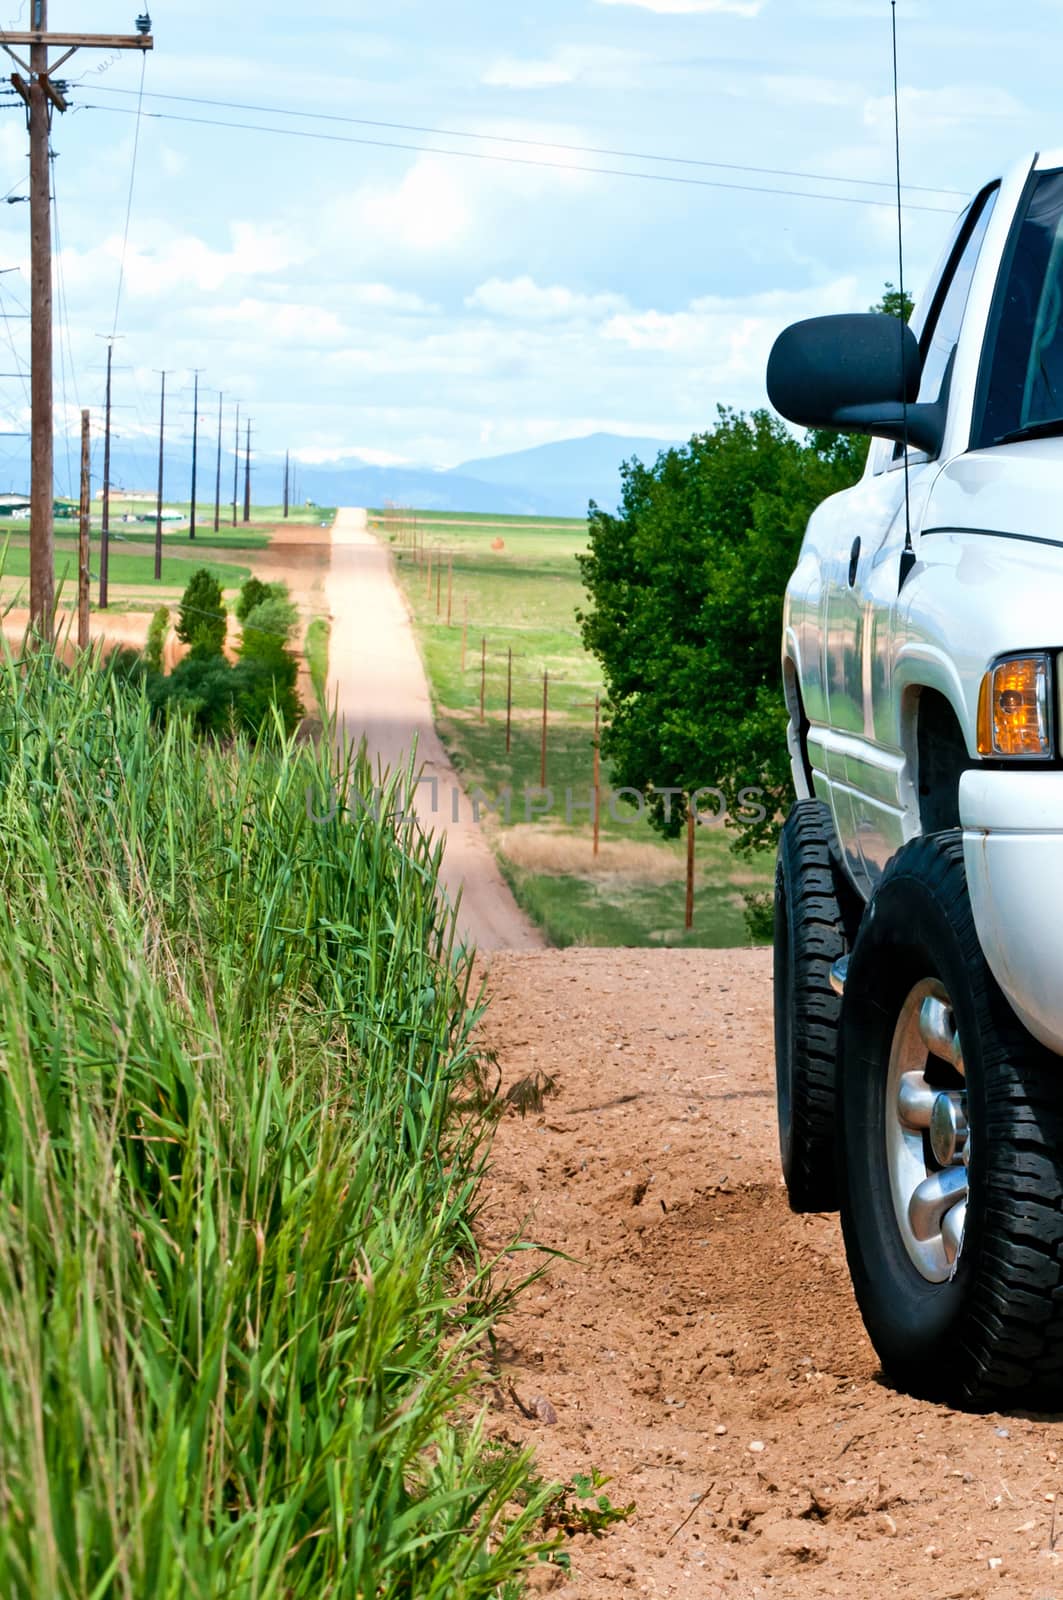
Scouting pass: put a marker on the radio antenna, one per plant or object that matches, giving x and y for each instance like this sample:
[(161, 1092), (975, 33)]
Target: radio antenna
[(908, 553)]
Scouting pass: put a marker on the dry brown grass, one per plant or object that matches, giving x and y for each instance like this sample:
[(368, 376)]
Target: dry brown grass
[(551, 851)]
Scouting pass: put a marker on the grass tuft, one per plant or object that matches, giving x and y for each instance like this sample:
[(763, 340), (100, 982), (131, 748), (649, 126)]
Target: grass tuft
[(239, 1293)]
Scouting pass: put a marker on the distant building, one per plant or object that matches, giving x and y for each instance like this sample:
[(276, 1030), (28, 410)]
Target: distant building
[(14, 505)]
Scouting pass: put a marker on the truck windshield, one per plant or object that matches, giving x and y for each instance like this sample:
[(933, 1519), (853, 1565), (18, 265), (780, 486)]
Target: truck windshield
[(1025, 392)]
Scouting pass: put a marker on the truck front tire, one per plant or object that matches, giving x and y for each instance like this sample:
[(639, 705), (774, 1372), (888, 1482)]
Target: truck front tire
[(810, 936), (951, 1150)]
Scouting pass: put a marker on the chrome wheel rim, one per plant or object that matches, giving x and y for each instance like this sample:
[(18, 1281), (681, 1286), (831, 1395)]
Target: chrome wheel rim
[(927, 1141)]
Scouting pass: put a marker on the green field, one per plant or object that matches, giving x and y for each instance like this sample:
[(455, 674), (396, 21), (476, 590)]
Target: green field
[(131, 548), (254, 535), (523, 599), (123, 565), (492, 518)]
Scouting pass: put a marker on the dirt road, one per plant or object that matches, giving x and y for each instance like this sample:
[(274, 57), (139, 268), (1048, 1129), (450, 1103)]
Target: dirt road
[(378, 685), (702, 1347)]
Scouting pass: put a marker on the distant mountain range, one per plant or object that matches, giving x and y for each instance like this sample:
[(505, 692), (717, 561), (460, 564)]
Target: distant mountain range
[(548, 480)]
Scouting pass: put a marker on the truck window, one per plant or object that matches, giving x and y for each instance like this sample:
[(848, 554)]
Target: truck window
[(940, 333), (1025, 385)]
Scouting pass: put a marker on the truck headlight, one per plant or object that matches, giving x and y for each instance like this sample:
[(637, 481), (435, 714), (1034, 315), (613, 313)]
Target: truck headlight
[(1014, 708)]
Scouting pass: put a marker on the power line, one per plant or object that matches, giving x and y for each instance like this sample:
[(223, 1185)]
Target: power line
[(19, 363), (129, 197), (535, 144), (519, 161)]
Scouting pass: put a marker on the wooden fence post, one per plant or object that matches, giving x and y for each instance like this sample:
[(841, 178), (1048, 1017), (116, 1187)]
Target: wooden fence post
[(450, 583), (483, 673), (464, 632), (542, 749), (691, 824), (509, 696), (597, 774)]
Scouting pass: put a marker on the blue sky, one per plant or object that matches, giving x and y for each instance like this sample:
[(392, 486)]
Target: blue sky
[(394, 303)]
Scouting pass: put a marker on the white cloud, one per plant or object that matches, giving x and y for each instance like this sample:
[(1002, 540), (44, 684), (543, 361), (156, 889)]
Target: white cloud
[(601, 66), (426, 211), (284, 322), (508, 73), (172, 161), (178, 262), (800, 89), (939, 111), (344, 454), (523, 298), (727, 338), (384, 297), (685, 8)]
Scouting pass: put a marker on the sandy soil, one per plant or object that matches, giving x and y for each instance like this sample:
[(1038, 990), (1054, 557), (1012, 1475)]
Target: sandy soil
[(115, 629), (702, 1345), (378, 686)]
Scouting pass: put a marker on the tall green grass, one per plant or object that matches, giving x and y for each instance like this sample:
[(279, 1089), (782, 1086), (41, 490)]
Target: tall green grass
[(239, 1293)]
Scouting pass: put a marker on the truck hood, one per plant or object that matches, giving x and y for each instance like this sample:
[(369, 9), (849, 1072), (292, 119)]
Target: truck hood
[(1013, 490)]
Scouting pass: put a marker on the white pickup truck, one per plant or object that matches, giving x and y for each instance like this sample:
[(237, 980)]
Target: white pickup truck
[(919, 889)]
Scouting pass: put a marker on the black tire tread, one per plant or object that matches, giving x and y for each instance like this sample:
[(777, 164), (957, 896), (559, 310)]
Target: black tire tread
[(819, 939), (1010, 1338)]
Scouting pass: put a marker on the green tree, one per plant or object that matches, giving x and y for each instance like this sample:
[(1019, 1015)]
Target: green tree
[(267, 671), (201, 619), (156, 644), (685, 584), (268, 627), (203, 688), (253, 593), (894, 303)]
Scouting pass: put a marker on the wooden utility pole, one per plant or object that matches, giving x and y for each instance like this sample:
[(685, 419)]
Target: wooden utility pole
[(105, 531), (217, 476), (42, 460), (195, 454), (236, 462), (42, 98), (287, 459), (83, 536), (247, 475), (158, 503)]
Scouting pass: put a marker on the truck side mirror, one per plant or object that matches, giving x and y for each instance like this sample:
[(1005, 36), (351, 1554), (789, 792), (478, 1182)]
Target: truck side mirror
[(857, 373)]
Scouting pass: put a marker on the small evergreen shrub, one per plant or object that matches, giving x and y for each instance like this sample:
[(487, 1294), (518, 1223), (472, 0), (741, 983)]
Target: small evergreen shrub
[(153, 650), (253, 593), (201, 621)]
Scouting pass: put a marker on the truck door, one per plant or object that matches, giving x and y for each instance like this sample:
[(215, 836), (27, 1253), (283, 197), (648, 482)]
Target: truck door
[(867, 769)]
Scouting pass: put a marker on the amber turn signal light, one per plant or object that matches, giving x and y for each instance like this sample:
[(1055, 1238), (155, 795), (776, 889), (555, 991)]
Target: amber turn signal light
[(1013, 716)]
